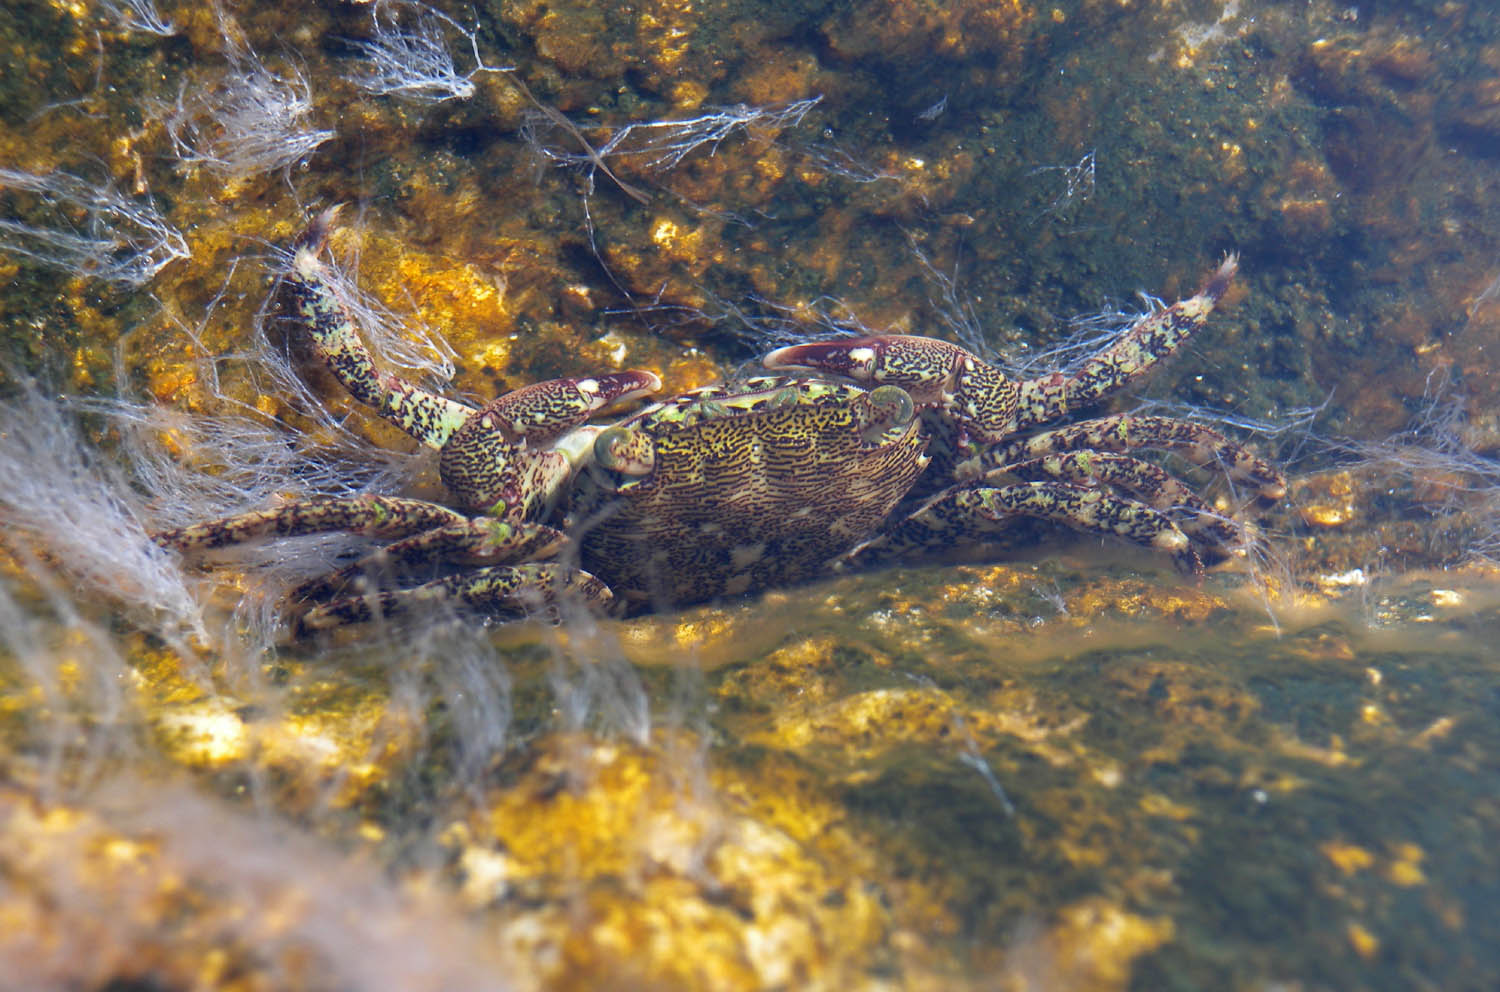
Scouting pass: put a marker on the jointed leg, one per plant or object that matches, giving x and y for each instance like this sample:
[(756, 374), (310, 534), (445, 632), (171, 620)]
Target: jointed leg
[(1125, 434), (1143, 481), (426, 416), (480, 541), (512, 591), (373, 516), (978, 399), (1145, 343), (484, 461), (946, 518)]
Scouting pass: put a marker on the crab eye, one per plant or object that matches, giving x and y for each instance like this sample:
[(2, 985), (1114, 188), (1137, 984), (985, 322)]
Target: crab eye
[(619, 449), (882, 409), (892, 405)]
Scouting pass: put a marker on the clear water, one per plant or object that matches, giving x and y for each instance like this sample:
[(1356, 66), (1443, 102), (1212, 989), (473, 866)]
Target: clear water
[(1074, 769)]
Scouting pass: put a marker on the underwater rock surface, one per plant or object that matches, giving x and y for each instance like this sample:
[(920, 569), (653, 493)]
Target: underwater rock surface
[(1073, 769)]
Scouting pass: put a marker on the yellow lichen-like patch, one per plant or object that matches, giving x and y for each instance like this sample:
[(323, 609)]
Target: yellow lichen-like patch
[(1328, 500), (665, 233), (597, 786), (1157, 804), (674, 883), (1365, 943), (330, 748), (1405, 874), (1405, 866), (780, 77), (1332, 756), (1347, 858), (331, 755), (207, 735), (1186, 603), (692, 371), (664, 30), (801, 670), (855, 728), (688, 94), (695, 247), (1091, 948), (465, 306), (1435, 731)]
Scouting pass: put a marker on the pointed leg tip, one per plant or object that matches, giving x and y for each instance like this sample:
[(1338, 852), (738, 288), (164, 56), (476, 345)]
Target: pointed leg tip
[(315, 236), (1218, 283), (1188, 563)]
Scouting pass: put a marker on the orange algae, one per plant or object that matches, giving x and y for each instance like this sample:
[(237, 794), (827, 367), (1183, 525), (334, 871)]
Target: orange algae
[(678, 884), (817, 855)]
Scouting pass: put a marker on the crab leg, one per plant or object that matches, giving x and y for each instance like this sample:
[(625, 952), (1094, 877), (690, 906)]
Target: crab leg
[(1149, 340), (374, 516), (1195, 442), (1143, 481), (493, 459), (540, 411), (498, 461), (498, 590), (994, 509), (978, 398), (481, 541), (426, 416), (936, 374)]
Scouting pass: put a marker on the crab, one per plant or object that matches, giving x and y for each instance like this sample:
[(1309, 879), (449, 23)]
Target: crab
[(847, 452)]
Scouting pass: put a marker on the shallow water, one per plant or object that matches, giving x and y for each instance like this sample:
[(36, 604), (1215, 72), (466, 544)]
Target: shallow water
[(1075, 769)]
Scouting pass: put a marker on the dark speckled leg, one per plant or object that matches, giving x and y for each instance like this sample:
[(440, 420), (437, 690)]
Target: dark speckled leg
[(374, 516), (492, 458), (1150, 339), (1195, 442), (945, 519), (508, 591), (481, 541), (426, 416), (1150, 484), (978, 399)]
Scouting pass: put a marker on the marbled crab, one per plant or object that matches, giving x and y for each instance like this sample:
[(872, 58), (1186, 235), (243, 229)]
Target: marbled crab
[(852, 450)]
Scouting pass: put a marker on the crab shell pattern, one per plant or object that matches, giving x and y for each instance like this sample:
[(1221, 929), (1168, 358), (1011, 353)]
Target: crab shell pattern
[(854, 450)]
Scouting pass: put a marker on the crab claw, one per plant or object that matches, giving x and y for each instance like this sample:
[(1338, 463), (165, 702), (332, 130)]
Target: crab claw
[(542, 411), (937, 375), (499, 460), (924, 367)]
